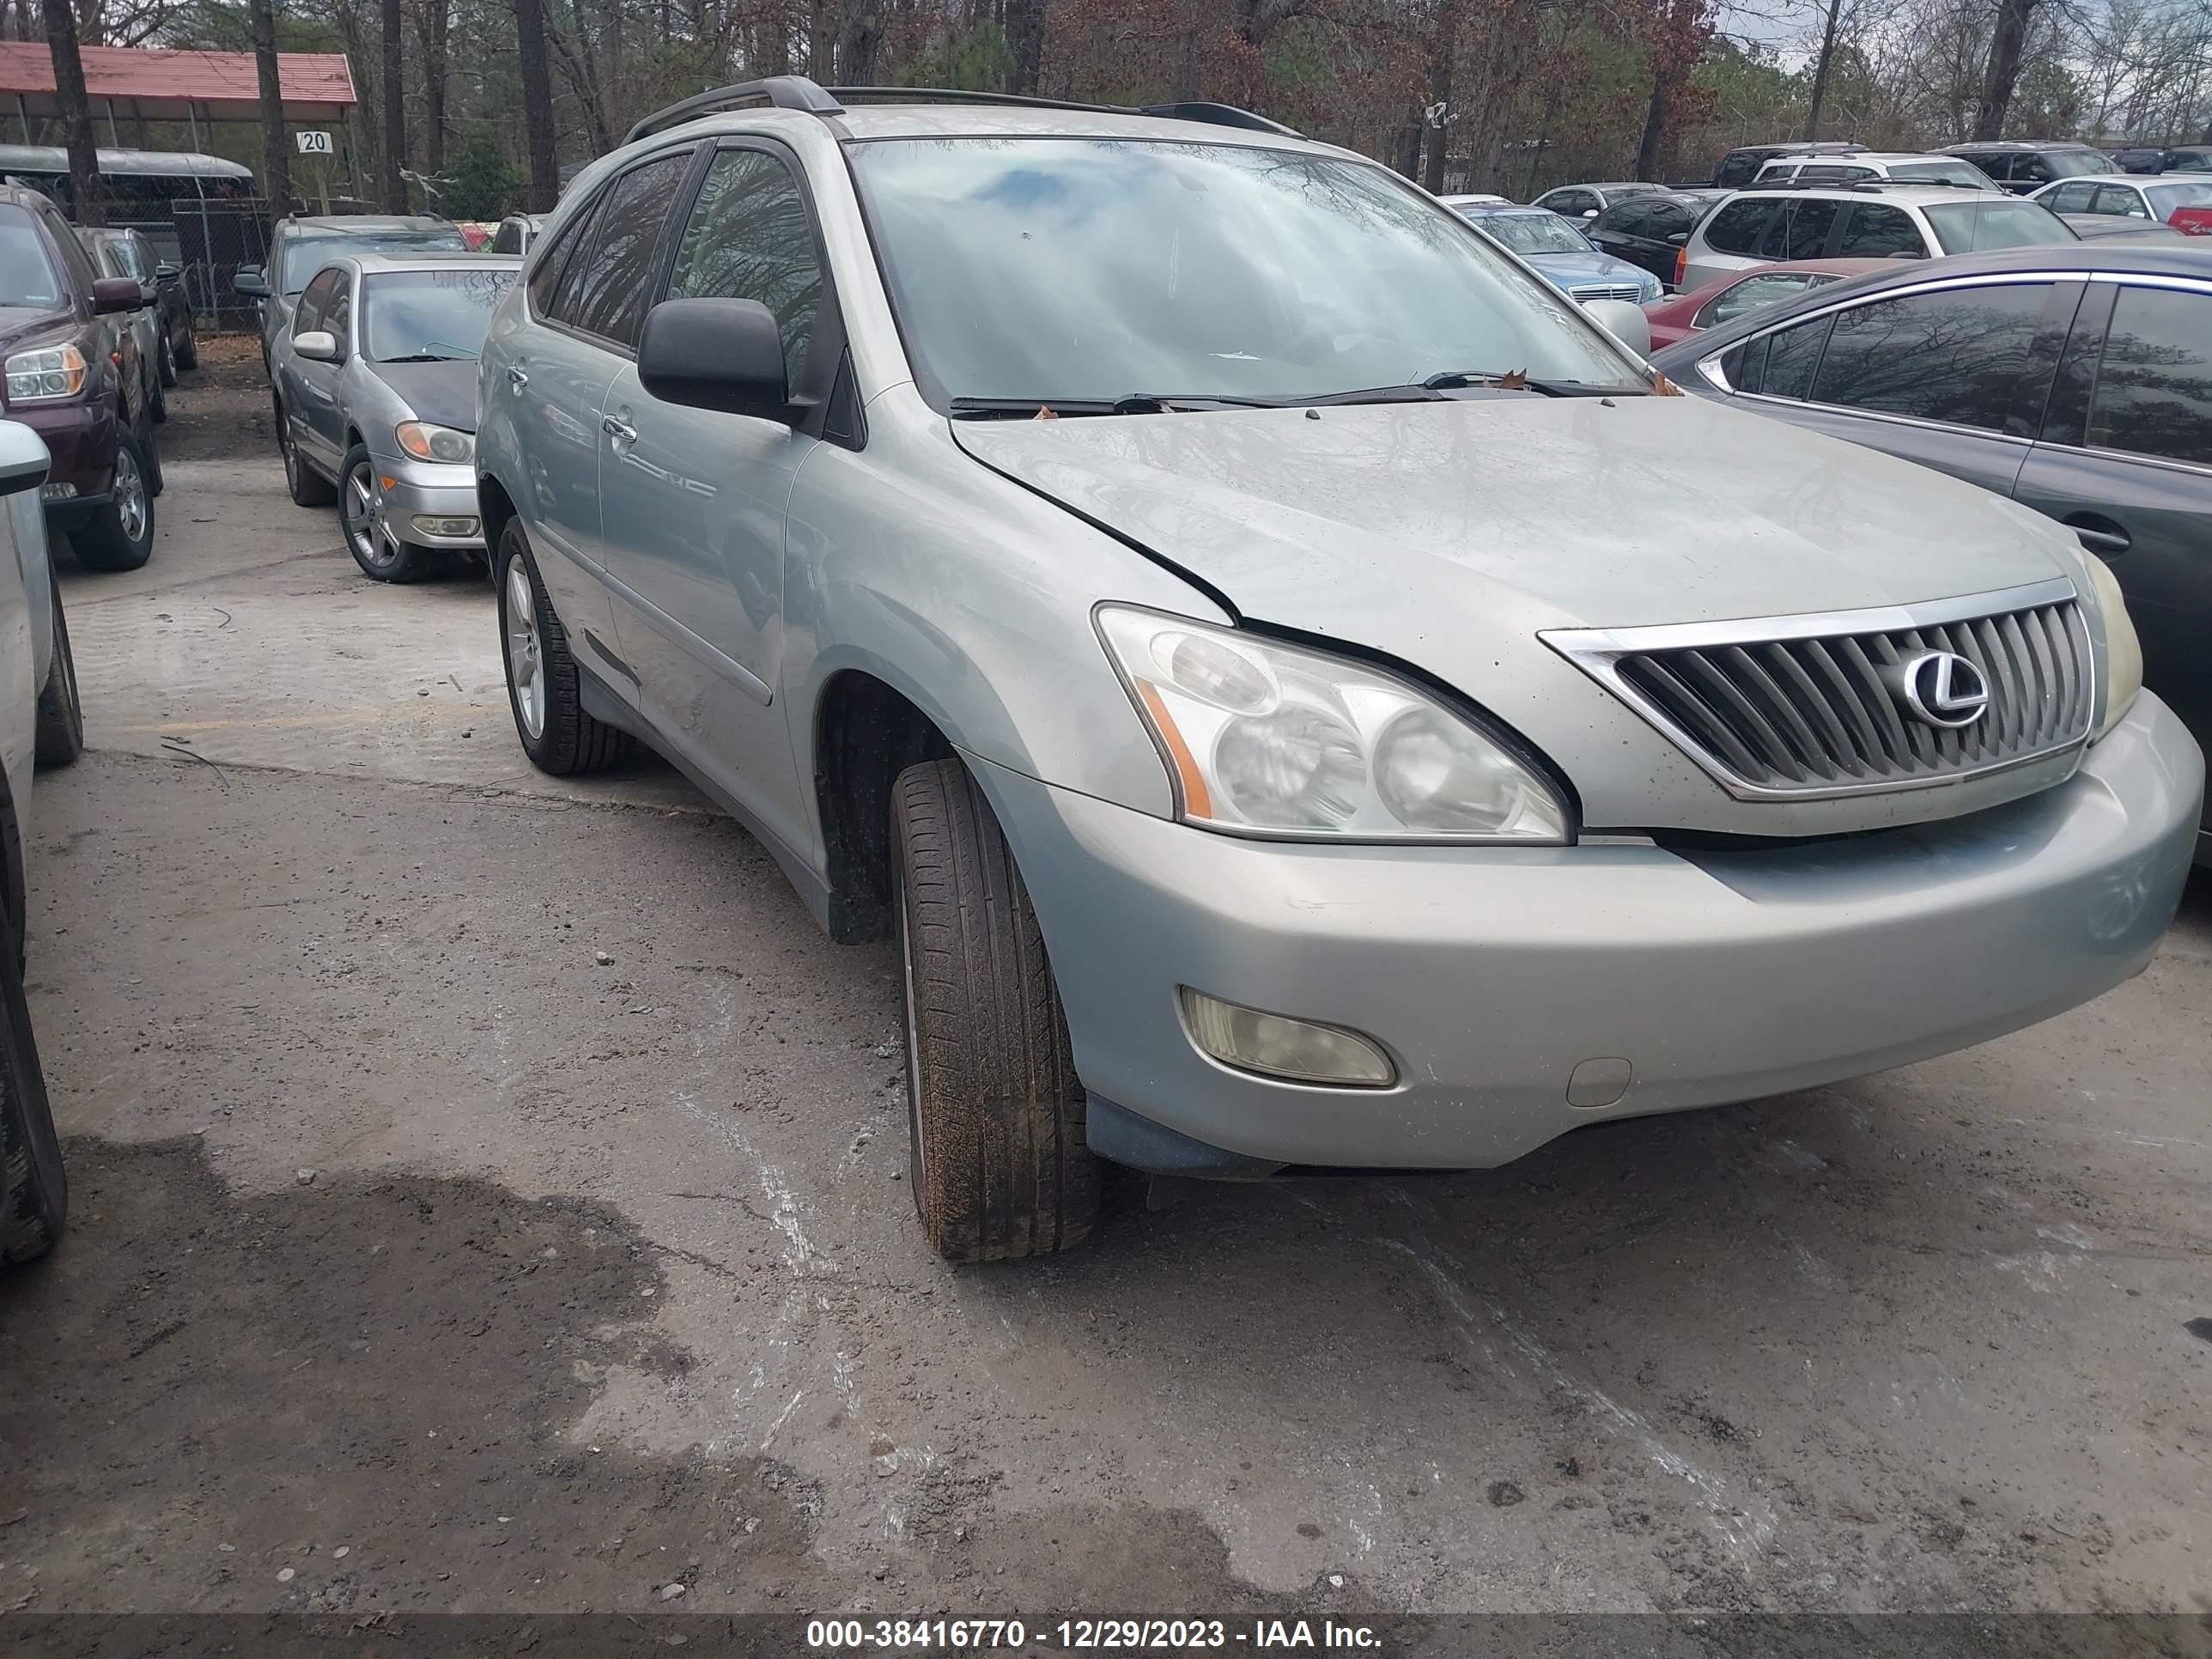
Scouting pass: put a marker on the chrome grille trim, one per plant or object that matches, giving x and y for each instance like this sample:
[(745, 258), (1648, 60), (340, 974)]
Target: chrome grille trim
[(1797, 708), (1606, 291)]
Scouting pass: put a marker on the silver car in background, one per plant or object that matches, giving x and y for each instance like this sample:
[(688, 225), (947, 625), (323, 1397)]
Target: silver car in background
[(1147, 564), (376, 388)]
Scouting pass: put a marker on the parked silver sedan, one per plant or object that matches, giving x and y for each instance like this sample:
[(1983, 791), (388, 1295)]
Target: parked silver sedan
[(375, 383)]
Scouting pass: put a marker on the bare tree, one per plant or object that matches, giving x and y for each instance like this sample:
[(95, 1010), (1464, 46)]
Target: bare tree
[(76, 113), (1821, 70), (2001, 76), (537, 104), (276, 163), (433, 21), (395, 113)]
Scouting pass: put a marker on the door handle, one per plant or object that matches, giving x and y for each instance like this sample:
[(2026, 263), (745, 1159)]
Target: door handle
[(2099, 535), (621, 431), (516, 378)]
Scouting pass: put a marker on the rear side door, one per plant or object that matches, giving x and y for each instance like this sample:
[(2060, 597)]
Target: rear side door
[(1953, 377), (2125, 459), (558, 377), (700, 496)]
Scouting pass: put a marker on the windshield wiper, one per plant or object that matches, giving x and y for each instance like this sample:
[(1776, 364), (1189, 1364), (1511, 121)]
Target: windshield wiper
[(1513, 380), (1134, 402)]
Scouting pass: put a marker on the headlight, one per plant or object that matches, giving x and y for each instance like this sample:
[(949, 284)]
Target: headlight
[(44, 375), (2123, 650), (1273, 740), (426, 442)]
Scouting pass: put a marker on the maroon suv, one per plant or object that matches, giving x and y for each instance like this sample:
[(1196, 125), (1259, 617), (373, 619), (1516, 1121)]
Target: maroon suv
[(72, 376)]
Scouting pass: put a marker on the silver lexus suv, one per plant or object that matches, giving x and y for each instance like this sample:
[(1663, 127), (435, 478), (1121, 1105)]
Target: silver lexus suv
[(1300, 693)]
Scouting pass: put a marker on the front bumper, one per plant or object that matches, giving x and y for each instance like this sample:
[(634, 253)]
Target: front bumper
[(1492, 975), (81, 438), (429, 489)]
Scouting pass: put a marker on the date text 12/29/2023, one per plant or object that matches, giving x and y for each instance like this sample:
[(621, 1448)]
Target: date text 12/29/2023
[(1084, 1635)]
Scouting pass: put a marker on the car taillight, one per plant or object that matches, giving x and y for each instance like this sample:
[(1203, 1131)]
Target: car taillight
[(1681, 262), (2192, 221)]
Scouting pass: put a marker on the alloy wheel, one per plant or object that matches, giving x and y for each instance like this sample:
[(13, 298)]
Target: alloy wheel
[(130, 494), (526, 661), (366, 525)]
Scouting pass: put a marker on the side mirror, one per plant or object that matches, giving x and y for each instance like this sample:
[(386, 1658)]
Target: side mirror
[(23, 459), (252, 282), (1680, 239), (114, 293), (165, 272), (1627, 323), (317, 345), (725, 355), (1589, 213)]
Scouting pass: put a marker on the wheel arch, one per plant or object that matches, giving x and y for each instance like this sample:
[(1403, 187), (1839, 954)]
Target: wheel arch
[(866, 730)]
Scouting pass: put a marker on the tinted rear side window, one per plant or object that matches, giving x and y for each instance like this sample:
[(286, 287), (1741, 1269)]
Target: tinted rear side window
[(1958, 355), (1737, 227), (545, 273), (2154, 391), (1792, 354), (1877, 231), (606, 294)]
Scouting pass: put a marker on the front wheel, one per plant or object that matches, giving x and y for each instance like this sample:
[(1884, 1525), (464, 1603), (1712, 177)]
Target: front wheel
[(188, 347), (61, 715), (375, 546), (995, 1113), (168, 359), (119, 534), (34, 1187)]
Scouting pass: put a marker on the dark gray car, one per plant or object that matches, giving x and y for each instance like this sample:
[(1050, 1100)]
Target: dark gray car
[(2075, 380), (303, 245)]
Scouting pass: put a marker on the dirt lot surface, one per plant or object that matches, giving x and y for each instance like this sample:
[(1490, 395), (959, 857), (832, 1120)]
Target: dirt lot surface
[(488, 1195)]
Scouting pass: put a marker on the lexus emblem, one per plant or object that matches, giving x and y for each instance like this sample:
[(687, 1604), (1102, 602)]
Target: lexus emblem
[(1943, 688)]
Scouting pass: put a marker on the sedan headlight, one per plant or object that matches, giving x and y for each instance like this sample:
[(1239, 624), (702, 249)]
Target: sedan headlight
[(2123, 650), (426, 442), (45, 375), (1268, 739)]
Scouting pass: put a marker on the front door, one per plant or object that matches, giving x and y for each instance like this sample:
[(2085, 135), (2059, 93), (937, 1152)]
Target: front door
[(694, 499), (307, 387), (2127, 464)]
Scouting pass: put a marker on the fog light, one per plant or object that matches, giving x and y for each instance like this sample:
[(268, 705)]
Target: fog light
[(57, 492), (427, 524), (1278, 1046)]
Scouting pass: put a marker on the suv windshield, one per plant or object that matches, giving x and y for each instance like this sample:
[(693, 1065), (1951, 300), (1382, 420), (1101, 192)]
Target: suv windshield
[(1532, 232), (1977, 226), (414, 314), (1943, 172), (27, 274), (306, 255), (1091, 270)]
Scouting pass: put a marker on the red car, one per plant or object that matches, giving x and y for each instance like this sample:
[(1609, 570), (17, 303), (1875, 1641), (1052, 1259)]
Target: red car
[(1679, 316)]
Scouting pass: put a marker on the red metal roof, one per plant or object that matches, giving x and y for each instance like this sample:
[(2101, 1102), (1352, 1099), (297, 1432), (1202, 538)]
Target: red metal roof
[(159, 84)]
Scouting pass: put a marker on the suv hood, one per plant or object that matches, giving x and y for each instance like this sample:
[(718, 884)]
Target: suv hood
[(1420, 529), (20, 323), (1448, 535)]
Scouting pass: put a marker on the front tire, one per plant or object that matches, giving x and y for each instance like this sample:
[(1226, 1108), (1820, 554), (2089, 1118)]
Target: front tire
[(33, 1186), (168, 365), (188, 349), (61, 715), (376, 547), (543, 686), (119, 535), (997, 1157)]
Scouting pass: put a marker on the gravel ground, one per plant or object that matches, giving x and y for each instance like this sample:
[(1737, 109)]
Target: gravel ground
[(422, 1259)]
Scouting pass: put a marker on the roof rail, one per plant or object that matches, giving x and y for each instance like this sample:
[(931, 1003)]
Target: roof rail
[(798, 93), (777, 91)]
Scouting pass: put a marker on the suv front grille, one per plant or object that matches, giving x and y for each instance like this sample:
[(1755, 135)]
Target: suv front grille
[(1814, 706), (1627, 291)]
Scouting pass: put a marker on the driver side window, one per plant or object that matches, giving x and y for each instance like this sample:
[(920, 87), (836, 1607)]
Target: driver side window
[(309, 316)]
